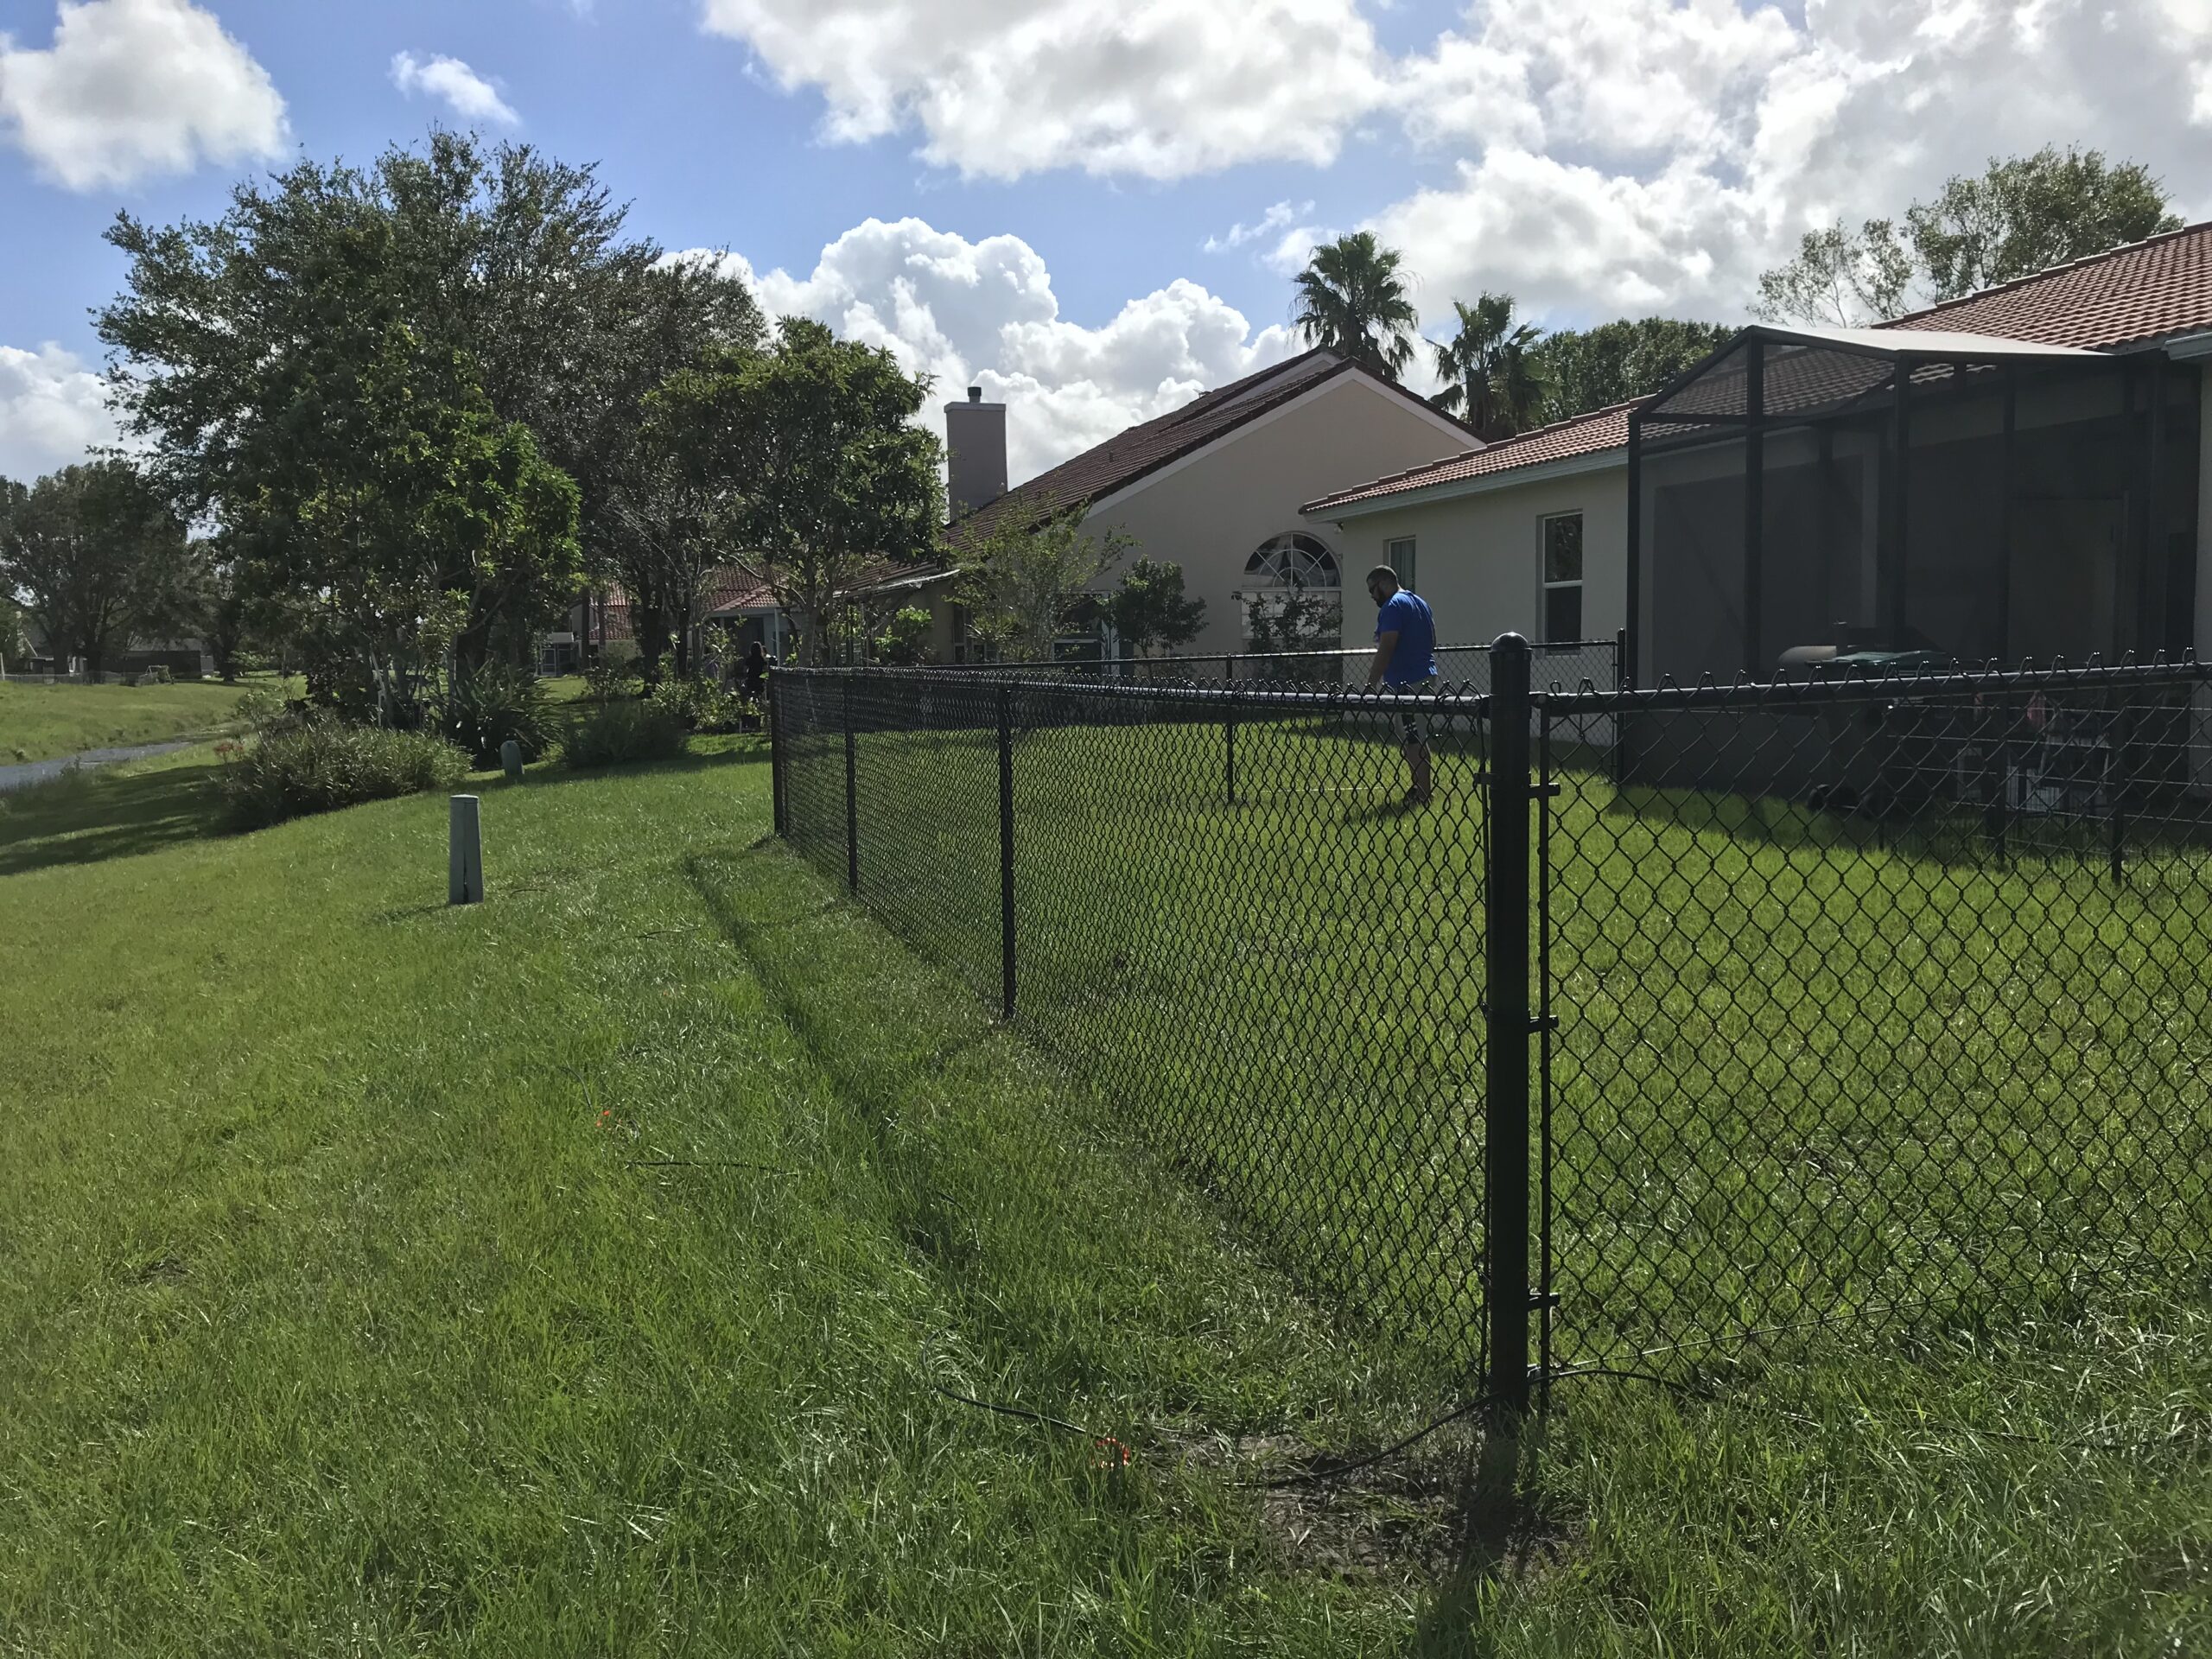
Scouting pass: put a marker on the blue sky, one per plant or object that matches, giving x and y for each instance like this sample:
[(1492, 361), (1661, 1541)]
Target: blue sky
[(1043, 195)]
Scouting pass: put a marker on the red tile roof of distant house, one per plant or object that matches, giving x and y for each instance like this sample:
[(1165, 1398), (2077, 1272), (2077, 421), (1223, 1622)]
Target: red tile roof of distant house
[(1099, 472), (2129, 295), (1585, 435)]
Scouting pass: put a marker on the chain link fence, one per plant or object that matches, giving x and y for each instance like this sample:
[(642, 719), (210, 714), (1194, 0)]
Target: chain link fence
[(1570, 665), (1674, 1018)]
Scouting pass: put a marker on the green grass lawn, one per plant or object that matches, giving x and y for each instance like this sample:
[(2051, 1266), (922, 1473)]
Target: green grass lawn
[(39, 722), (575, 1273)]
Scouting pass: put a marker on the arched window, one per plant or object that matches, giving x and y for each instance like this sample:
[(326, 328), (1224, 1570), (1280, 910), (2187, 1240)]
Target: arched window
[(1294, 561)]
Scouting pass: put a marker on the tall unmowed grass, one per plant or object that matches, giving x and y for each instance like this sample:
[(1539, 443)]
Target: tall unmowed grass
[(294, 767)]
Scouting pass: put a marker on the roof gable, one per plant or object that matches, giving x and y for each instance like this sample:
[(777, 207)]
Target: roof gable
[(1135, 453)]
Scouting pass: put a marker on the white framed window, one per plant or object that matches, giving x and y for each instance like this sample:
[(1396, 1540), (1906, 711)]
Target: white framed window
[(1560, 617), (1291, 596), (1398, 554)]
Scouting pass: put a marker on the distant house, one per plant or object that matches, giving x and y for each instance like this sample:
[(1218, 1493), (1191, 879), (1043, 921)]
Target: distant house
[(735, 610), (2019, 473), (1214, 486)]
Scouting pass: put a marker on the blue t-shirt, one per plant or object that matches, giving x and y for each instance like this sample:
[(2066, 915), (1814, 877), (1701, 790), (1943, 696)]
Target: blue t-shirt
[(1414, 658)]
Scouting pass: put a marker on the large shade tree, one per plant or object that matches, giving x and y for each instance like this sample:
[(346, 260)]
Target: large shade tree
[(1352, 299), (809, 465), (2021, 215), (650, 516), (347, 351), (1582, 369), (94, 555)]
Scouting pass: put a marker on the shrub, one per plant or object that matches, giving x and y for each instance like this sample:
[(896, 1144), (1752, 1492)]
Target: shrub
[(617, 732), (157, 675), (495, 704), (703, 706), (319, 765)]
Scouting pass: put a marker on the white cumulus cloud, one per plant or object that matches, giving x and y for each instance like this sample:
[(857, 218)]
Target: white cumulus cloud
[(464, 92), (1645, 155), (1157, 90), (984, 313), (52, 410), (131, 89)]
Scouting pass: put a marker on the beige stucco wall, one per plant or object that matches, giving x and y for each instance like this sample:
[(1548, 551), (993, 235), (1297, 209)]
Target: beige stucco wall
[(1479, 558), (1209, 513)]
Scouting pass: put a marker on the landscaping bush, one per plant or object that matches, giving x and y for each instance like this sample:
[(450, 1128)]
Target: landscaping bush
[(497, 704), (157, 675), (318, 764), (617, 732), (703, 706)]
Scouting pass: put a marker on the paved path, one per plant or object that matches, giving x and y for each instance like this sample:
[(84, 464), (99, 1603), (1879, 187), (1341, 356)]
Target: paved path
[(38, 771)]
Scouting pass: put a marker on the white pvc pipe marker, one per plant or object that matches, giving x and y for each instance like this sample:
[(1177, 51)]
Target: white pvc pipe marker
[(465, 855)]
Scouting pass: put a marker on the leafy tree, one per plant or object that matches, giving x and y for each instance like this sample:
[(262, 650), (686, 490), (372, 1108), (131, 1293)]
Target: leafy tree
[(2020, 216), (1489, 378), (807, 463), (408, 526), (648, 520), (1024, 586), (904, 640), (1352, 300), (2029, 213), (1840, 278), (1583, 369), (408, 316), (1303, 620), (1147, 608), (94, 555), (14, 643)]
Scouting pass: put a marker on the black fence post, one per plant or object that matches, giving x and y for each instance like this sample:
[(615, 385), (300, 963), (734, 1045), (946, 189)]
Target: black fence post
[(1620, 660), (1228, 746), (776, 756), (1508, 905), (2116, 780), (852, 797), (1005, 849)]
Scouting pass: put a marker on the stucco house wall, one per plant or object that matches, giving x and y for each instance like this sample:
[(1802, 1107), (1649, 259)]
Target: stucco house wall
[(1479, 556), (1210, 511)]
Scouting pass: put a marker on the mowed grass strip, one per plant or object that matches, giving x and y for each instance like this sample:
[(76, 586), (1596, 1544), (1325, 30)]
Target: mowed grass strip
[(41, 723), (341, 1321), (575, 1272)]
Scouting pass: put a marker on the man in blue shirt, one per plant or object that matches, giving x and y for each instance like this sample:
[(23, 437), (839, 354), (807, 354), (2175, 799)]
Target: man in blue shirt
[(1405, 660)]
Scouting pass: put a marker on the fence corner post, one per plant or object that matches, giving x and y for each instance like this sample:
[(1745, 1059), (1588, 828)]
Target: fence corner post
[(1508, 906), (1005, 849), (781, 812), (852, 794)]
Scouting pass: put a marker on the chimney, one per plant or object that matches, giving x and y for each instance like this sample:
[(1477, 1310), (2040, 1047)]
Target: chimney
[(974, 437)]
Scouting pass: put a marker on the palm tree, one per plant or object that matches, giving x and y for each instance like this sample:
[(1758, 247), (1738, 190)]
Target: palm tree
[(1489, 380), (1352, 300)]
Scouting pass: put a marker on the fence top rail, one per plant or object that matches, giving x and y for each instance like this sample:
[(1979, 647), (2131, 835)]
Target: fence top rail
[(1320, 654), (1251, 693), (1858, 685)]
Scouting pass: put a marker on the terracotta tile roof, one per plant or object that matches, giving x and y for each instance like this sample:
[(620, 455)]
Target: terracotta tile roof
[(1129, 455), (2143, 291), (1585, 435)]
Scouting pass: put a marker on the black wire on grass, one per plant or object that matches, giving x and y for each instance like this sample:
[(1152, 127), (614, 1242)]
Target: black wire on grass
[(1336, 1471), (1118, 1447)]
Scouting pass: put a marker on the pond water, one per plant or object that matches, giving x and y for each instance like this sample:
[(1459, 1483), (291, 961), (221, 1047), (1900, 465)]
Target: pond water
[(24, 774)]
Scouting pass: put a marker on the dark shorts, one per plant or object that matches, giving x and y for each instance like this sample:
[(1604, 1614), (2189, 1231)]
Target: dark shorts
[(1413, 724)]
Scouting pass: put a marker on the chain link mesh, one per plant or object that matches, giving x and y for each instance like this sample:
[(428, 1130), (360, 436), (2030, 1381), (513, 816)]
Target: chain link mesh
[(1878, 1003), (1861, 1003), (1228, 920)]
